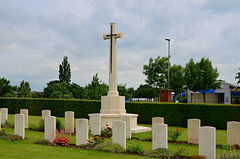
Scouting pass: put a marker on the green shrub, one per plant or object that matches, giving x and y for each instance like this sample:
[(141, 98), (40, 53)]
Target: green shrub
[(106, 131), (3, 132), (227, 147), (59, 125), (8, 124), (15, 137), (161, 153), (135, 148), (174, 114), (174, 134), (109, 147), (39, 127), (230, 155)]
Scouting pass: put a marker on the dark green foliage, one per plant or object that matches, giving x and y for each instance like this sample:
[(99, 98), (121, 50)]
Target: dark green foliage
[(161, 153), (201, 76), (145, 91), (108, 146), (123, 91), (176, 80), (24, 89), (77, 91), (59, 125), (96, 89), (5, 87), (135, 148), (175, 114), (156, 72), (65, 71)]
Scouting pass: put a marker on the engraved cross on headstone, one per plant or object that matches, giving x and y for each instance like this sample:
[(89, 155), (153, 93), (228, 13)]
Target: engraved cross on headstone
[(113, 58)]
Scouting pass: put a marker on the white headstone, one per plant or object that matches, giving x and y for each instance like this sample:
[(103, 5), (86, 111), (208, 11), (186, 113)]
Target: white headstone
[(69, 121), (4, 115), (127, 119), (46, 113), (50, 128), (95, 124), (81, 131), (159, 136), (25, 112), (193, 130), (156, 120), (19, 125), (233, 132), (119, 133), (207, 142)]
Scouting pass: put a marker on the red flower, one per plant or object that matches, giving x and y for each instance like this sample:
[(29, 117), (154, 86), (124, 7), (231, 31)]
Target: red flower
[(102, 138), (106, 124), (109, 128), (177, 128), (3, 129), (95, 138)]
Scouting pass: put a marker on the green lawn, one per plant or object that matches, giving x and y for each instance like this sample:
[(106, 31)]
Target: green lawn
[(27, 148)]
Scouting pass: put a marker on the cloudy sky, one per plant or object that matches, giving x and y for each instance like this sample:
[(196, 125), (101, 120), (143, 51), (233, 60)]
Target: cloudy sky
[(36, 35)]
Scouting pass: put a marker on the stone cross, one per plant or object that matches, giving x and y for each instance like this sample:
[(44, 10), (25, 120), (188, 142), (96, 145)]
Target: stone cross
[(113, 58)]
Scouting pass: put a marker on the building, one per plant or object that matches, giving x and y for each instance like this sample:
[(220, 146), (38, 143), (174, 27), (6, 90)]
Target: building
[(227, 94)]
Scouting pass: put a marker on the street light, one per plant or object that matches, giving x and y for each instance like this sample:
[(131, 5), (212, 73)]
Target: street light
[(168, 59)]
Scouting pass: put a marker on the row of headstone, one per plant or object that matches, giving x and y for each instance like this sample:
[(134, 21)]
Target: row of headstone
[(206, 135), (95, 124), (69, 119)]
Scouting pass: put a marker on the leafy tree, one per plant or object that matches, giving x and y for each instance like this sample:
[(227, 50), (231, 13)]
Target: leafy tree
[(56, 89), (156, 72), (96, 89), (77, 91), (145, 91), (127, 92), (176, 80), (24, 89), (65, 71), (238, 77), (5, 87), (201, 76)]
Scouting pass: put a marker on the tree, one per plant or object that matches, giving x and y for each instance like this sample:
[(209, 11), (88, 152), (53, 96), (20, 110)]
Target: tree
[(124, 91), (24, 89), (145, 91), (96, 89), (238, 77), (156, 72), (65, 71), (77, 91), (201, 76), (56, 89), (176, 80), (5, 87)]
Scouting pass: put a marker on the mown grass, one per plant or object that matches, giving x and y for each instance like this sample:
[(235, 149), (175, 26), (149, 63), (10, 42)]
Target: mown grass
[(27, 148)]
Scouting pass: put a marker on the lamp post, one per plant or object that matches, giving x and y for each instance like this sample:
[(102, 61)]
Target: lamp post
[(168, 59)]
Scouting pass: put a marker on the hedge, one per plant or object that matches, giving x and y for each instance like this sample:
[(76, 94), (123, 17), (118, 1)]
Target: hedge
[(175, 114)]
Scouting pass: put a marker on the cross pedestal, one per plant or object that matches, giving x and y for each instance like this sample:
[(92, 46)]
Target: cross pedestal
[(113, 105)]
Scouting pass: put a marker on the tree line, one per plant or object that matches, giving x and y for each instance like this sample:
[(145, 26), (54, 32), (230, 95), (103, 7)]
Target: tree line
[(195, 76)]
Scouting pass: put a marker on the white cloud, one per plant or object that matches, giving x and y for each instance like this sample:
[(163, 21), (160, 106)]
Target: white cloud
[(35, 35)]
